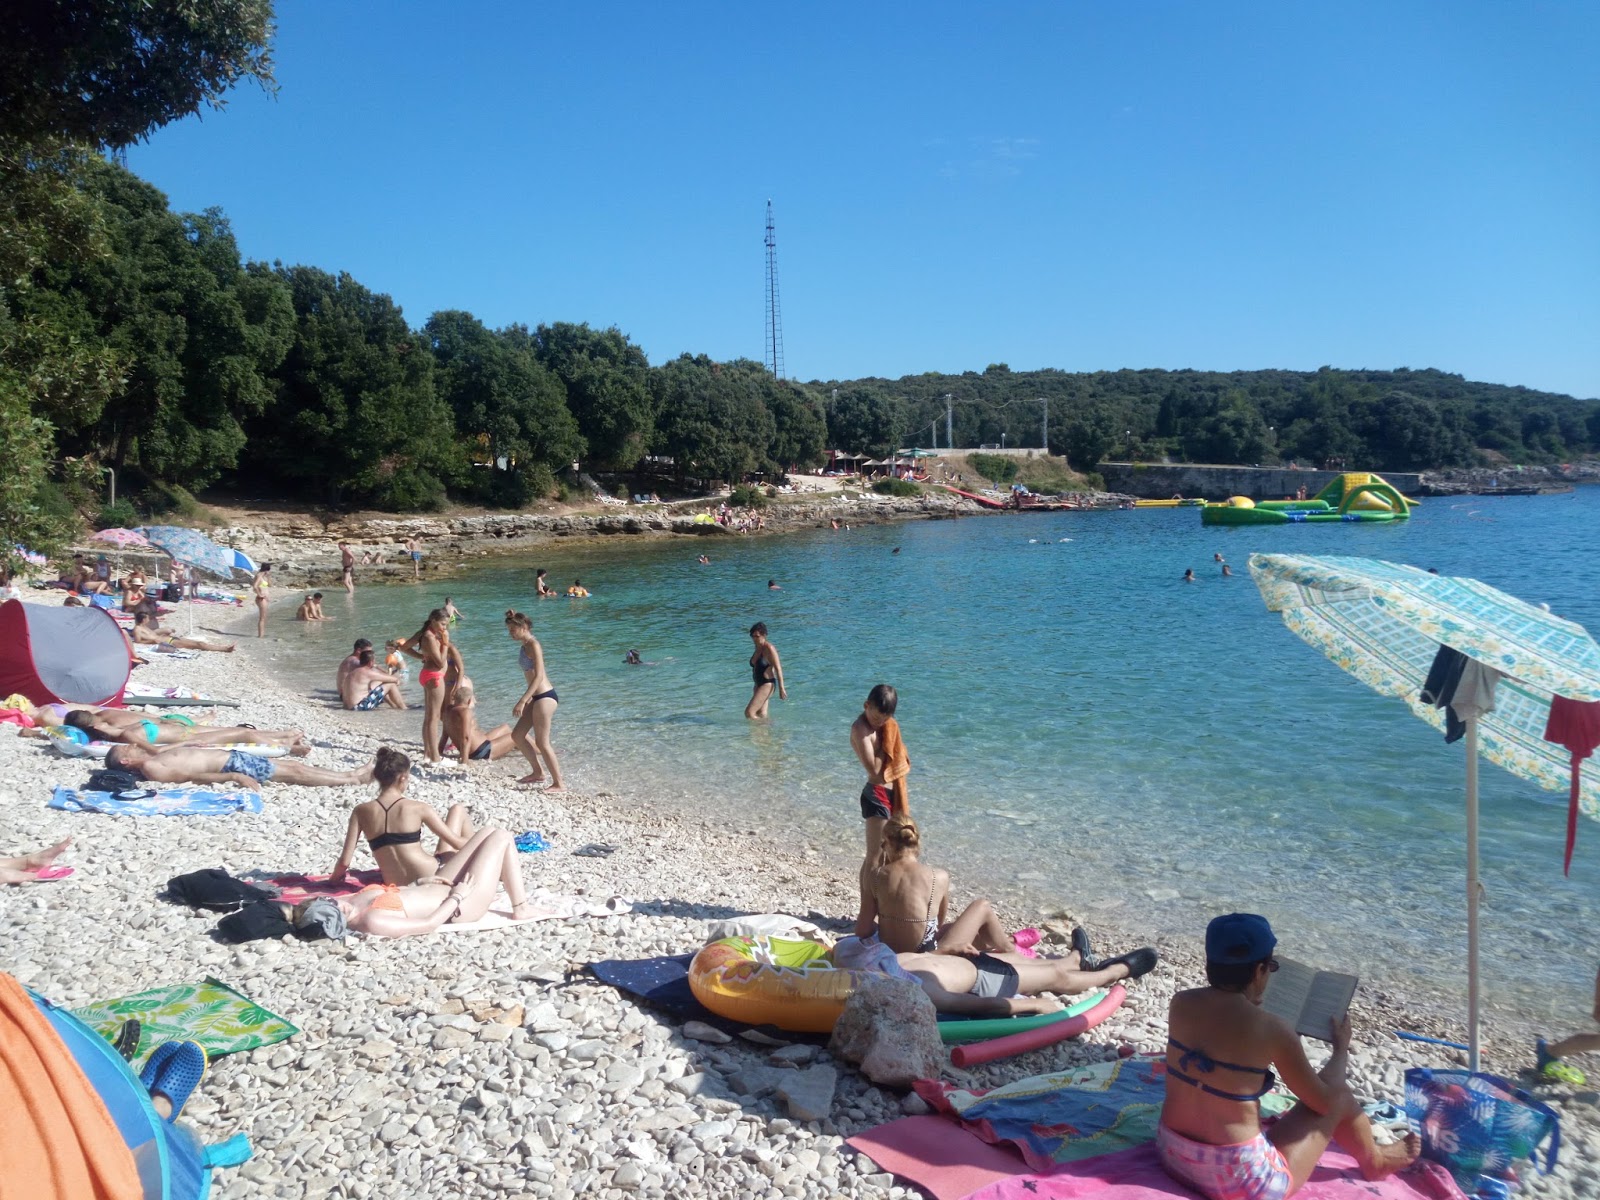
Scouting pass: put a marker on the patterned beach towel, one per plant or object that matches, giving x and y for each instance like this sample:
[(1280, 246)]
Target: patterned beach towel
[(294, 888), (168, 802), (211, 1013), (1068, 1115)]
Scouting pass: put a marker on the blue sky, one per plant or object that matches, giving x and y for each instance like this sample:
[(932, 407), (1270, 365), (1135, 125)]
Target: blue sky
[(1083, 186)]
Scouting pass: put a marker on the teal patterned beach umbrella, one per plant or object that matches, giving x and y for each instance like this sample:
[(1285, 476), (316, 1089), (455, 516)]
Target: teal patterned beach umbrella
[(1384, 623), (193, 548)]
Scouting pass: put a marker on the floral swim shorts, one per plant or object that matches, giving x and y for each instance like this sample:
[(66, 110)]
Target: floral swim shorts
[(1253, 1170)]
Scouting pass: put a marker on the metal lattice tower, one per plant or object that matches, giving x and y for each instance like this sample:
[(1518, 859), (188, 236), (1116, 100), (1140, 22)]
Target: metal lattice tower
[(774, 336)]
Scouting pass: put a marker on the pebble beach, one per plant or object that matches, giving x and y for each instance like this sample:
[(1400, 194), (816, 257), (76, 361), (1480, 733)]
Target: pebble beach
[(489, 1064)]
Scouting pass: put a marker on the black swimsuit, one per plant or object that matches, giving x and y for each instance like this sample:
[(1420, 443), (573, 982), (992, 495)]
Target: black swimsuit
[(392, 839), (760, 670)]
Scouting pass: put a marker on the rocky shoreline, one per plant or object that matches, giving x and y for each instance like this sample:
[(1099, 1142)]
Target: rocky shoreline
[(304, 548), (488, 1064)]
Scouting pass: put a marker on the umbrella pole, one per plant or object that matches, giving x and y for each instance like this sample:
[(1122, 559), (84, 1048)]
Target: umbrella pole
[(1472, 893)]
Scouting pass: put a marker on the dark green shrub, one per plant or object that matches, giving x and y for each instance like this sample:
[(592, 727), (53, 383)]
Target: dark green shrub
[(996, 468), (896, 487), (747, 496), (120, 515)]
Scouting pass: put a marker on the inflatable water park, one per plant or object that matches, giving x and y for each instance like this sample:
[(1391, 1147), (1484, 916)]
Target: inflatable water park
[(1354, 496)]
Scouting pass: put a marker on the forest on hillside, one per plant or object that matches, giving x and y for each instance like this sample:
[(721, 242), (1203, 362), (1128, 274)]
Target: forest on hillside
[(137, 339), (1383, 420)]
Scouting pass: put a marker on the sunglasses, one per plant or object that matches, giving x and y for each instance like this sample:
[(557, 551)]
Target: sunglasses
[(1272, 965)]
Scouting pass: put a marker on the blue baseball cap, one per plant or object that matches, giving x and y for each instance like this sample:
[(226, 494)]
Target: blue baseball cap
[(1239, 938)]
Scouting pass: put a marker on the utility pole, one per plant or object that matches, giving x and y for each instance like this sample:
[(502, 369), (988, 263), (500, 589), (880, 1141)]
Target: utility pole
[(1045, 400), (949, 421)]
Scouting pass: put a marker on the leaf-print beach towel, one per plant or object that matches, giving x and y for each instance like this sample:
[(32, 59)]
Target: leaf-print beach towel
[(211, 1013)]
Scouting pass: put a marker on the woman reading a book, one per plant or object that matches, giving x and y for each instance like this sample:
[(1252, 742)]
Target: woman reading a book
[(1221, 1050)]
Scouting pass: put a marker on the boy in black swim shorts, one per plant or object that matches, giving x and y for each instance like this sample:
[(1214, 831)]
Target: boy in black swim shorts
[(882, 795)]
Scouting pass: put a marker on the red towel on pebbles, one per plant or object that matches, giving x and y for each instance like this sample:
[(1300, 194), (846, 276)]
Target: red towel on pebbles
[(1574, 724)]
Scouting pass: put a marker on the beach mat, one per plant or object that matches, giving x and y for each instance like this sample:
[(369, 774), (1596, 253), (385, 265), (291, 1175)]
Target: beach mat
[(938, 1155), (663, 983), (1064, 1116), (211, 1013), (168, 802), (1137, 1175)]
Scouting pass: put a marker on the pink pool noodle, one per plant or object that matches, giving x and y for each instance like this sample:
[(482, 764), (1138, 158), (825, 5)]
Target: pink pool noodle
[(1032, 1039)]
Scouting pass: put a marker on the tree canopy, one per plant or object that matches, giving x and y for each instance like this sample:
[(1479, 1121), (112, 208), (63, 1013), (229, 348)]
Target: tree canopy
[(107, 72)]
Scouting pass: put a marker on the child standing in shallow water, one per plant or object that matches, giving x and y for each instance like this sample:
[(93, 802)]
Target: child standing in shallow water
[(875, 737)]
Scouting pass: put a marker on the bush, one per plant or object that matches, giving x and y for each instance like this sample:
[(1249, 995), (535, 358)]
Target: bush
[(747, 496), (539, 482), (408, 489), (120, 515), (896, 487), (177, 504), (996, 468)]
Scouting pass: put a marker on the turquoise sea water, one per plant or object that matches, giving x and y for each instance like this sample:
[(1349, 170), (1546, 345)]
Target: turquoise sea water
[(1087, 731)]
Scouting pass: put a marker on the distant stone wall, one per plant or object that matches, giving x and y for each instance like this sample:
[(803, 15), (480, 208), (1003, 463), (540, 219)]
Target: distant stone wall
[(1161, 481)]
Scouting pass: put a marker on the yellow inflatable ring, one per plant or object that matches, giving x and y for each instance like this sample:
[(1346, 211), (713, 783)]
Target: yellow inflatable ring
[(772, 981)]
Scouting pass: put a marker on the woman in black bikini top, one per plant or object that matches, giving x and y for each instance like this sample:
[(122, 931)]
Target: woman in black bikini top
[(398, 851)]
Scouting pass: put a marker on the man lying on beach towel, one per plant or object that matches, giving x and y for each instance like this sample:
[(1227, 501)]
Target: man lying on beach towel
[(147, 631), (191, 764), (1010, 985), (173, 729)]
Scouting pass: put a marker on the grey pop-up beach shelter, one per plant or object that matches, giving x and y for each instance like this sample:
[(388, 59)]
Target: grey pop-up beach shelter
[(49, 655)]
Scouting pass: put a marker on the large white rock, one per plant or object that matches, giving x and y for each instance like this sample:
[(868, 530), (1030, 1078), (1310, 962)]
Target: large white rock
[(890, 1031)]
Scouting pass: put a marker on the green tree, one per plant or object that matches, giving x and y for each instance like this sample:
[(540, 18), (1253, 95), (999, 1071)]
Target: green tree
[(607, 379), (799, 428), (508, 409), (863, 420), (711, 418), (355, 414), (107, 72), (196, 336)]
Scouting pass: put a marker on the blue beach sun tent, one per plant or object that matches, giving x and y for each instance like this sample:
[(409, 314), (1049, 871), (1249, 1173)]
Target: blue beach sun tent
[(1384, 623), (167, 1161)]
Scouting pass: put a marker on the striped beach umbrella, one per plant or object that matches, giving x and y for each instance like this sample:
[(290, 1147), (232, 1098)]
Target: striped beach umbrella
[(1398, 628)]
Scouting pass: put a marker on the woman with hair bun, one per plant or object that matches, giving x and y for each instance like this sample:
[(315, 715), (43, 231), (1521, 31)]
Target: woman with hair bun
[(907, 902), (536, 708), (393, 823)]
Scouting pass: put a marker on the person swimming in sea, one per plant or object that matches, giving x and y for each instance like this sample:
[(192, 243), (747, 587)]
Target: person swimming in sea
[(540, 586), (577, 590), (1227, 571), (632, 659), (766, 673), (773, 586), (1188, 576)]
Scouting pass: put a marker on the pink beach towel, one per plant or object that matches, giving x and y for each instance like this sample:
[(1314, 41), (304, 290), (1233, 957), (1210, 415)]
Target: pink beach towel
[(939, 1156), (295, 888), (1137, 1175)]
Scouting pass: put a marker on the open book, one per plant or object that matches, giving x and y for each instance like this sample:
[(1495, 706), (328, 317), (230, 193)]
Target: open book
[(1307, 998)]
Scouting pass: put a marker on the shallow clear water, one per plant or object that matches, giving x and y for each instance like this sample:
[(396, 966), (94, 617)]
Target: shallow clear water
[(1087, 731)]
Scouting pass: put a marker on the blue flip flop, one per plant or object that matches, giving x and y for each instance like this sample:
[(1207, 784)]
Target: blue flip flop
[(174, 1070)]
